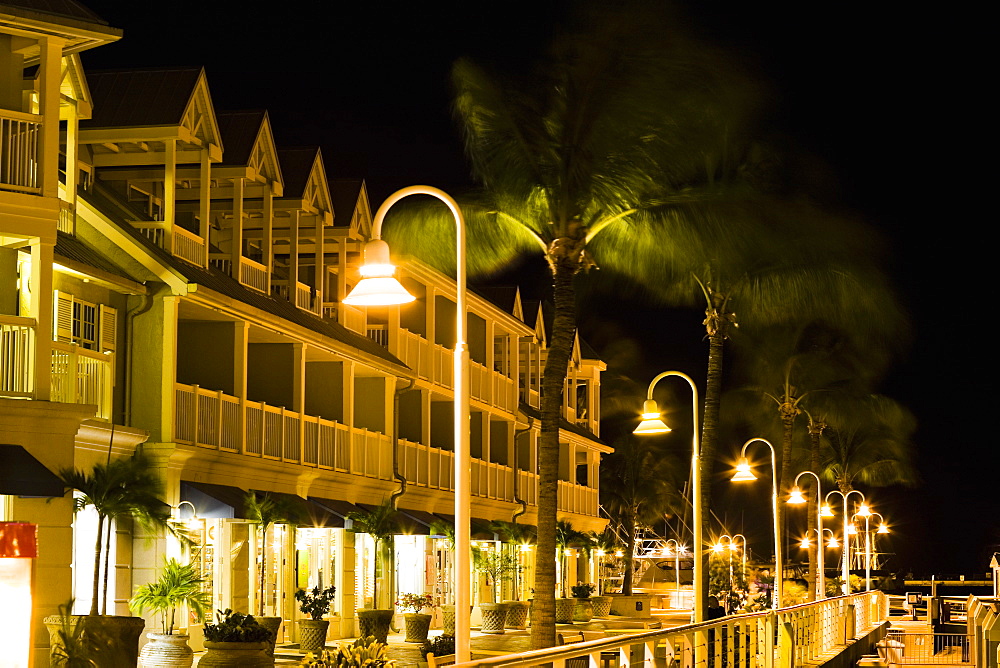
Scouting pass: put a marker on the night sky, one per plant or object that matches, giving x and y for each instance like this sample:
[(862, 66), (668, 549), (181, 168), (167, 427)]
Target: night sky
[(875, 95)]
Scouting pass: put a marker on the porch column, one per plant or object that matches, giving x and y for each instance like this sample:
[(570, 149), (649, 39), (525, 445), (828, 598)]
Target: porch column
[(50, 70), (236, 251), (318, 281), (72, 168), (204, 198), (241, 338), (169, 192), (268, 241), (293, 256), (41, 311)]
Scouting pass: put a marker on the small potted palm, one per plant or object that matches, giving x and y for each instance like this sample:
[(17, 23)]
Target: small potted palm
[(417, 624), (584, 609), (178, 585), (315, 603), (236, 640), (365, 651)]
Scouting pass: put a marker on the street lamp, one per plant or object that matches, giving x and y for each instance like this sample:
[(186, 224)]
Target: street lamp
[(379, 288), (743, 554), (743, 474), (865, 512), (845, 571), (796, 497), (652, 424)]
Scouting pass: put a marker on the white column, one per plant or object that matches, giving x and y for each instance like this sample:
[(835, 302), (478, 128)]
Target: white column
[(205, 198), (48, 108), (169, 192), (293, 255), (269, 232), (236, 250), (41, 311)]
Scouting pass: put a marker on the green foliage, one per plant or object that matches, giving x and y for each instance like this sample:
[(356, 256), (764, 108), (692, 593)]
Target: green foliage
[(381, 523), (179, 584), (727, 580), (236, 627), (496, 565), (76, 646), (438, 646), (834, 585), (266, 510), (513, 533), (315, 603), (583, 589), (793, 593), (415, 602), (367, 652)]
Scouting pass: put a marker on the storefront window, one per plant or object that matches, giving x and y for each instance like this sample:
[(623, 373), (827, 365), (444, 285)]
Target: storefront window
[(316, 559)]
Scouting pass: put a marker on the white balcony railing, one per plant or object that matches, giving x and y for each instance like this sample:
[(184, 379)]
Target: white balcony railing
[(17, 356), (573, 498), (211, 419), (81, 376), (67, 217), (253, 274), (183, 244), (304, 297), (19, 141)]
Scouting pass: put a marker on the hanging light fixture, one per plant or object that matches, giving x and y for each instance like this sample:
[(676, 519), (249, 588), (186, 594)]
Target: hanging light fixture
[(378, 286), (796, 496), (743, 472), (651, 422), (827, 511)]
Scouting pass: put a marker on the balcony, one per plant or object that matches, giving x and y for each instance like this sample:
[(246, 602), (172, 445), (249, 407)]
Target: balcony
[(81, 376), (17, 356), (251, 274), (180, 243), (19, 138), (305, 297), (211, 419)]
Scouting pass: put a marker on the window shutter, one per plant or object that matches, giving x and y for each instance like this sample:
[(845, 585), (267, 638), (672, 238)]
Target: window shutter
[(108, 329), (63, 318)]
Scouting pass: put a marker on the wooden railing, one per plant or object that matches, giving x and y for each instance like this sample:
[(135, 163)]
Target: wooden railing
[(212, 419), (19, 159), (17, 356), (81, 376), (379, 334), (183, 244), (304, 298), (67, 217), (807, 634), (573, 498)]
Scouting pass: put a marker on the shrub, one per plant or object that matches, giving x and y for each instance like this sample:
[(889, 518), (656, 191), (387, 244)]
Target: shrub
[(315, 603), (367, 652), (438, 646), (236, 627), (582, 589), (415, 602)]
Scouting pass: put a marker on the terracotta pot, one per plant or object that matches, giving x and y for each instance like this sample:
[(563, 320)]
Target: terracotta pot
[(564, 610), (312, 634), (583, 611), (236, 655), (375, 623), (517, 614), (494, 617), (166, 651), (417, 626), (602, 605)]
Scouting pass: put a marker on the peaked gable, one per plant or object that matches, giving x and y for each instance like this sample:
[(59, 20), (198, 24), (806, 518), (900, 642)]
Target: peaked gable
[(73, 87), (351, 207), (305, 177), (250, 143)]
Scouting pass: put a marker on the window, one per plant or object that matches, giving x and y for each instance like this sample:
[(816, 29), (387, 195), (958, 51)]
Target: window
[(90, 326)]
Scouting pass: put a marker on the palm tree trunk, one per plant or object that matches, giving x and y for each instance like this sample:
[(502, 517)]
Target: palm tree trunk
[(107, 561), (784, 476), (375, 560), (814, 465), (97, 565), (543, 630), (709, 442), (629, 570)]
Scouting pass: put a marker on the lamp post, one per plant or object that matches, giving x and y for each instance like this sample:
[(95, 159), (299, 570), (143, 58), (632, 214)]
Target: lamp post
[(845, 570), (865, 512), (677, 565), (743, 554), (743, 473), (380, 288), (718, 548), (652, 424), (796, 497)]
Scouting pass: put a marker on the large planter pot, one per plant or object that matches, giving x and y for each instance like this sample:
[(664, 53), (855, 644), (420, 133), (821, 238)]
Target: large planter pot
[(583, 611), (272, 624), (375, 623), (602, 605), (417, 626), (236, 655), (116, 638), (448, 620), (640, 605), (517, 614), (166, 651), (312, 634), (564, 610), (494, 617)]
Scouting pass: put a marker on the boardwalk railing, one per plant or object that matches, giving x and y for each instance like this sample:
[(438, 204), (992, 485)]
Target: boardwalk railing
[(789, 637), (927, 649)]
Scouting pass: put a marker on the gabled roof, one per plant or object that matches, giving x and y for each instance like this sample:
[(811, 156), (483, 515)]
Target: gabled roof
[(56, 9), (74, 86), (563, 423), (72, 248), (249, 142), (507, 298), (82, 28), (345, 193), (154, 97), (305, 177)]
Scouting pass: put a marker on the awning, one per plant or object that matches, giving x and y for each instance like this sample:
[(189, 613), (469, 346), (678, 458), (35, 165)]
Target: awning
[(422, 521), (23, 475), (479, 530), (330, 512), (214, 501), (407, 523), (297, 506)]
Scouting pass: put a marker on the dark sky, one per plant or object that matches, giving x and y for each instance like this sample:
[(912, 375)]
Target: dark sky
[(871, 92)]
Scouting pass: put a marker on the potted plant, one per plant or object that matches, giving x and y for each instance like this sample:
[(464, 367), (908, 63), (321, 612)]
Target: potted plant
[(179, 584), (567, 538), (446, 530), (417, 625), (365, 651), (497, 566), (605, 543), (116, 490), (73, 646), (236, 640), (515, 536), (584, 609), (380, 523), (266, 511), (315, 603)]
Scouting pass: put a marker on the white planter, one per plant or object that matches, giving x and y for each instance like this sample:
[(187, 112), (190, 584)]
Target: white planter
[(166, 651)]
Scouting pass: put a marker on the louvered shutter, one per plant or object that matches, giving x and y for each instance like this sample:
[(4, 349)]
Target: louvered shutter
[(108, 333), (62, 321)]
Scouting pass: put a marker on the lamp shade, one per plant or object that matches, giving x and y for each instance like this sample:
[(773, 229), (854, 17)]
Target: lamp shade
[(743, 472), (378, 286), (864, 511), (651, 422), (882, 528), (827, 511), (806, 543), (833, 542), (796, 496)]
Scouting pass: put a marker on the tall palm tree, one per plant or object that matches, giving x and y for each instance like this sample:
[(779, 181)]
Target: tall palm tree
[(586, 155), (119, 489), (381, 523), (567, 537), (265, 511), (638, 485)]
